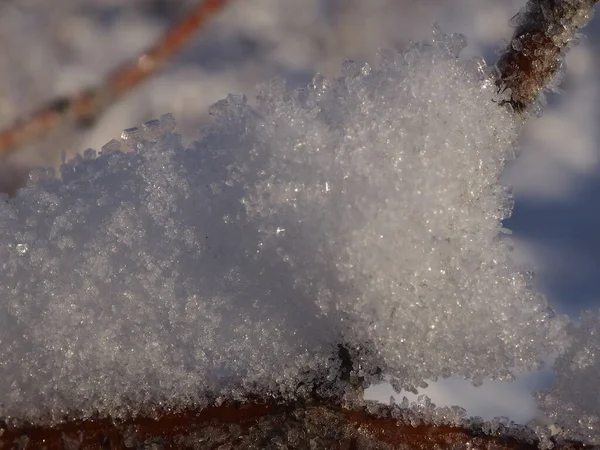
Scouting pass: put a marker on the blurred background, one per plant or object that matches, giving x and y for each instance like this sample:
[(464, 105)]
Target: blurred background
[(56, 48)]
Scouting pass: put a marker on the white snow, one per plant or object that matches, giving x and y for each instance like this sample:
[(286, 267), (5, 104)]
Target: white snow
[(363, 210)]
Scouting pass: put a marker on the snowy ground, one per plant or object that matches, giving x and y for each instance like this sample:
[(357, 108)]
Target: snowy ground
[(56, 48)]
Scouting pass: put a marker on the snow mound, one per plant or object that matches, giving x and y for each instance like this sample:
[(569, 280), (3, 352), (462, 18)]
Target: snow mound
[(363, 211)]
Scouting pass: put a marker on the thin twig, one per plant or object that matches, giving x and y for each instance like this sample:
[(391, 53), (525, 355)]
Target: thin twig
[(544, 30), (84, 108)]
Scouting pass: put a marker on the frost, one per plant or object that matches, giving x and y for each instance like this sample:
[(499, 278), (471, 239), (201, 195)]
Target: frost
[(111, 146), (563, 18), (573, 403), (22, 248), (133, 138), (361, 212)]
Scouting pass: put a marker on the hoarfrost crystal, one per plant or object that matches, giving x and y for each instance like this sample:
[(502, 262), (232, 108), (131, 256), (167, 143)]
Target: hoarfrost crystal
[(363, 211)]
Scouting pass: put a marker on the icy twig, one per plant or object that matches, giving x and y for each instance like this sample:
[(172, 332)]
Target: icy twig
[(544, 30), (322, 424), (84, 108)]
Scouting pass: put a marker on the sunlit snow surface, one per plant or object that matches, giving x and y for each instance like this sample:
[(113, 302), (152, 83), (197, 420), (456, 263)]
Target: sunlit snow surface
[(363, 210)]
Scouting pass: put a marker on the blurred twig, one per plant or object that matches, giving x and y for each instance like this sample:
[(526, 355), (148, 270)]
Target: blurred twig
[(543, 31), (84, 108)]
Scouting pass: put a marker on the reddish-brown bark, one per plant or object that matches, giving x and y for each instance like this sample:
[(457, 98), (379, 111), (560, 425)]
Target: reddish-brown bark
[(534, 54), (248, 425)]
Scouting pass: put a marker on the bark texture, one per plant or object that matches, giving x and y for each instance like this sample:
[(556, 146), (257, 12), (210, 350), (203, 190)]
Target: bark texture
[(534, 57)]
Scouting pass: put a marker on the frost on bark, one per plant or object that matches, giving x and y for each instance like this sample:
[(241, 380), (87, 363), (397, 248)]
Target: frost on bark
[(534, 58), (317, 425)]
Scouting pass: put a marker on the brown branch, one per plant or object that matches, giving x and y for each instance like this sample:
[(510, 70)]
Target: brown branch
[(320, 424), (85, 108), (544, 30)]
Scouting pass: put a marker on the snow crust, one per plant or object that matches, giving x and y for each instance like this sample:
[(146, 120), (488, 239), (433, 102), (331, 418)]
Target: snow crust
[(363, 211)]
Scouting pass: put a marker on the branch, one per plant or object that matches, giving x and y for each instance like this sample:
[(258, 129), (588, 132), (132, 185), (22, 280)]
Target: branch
[(544, 29), (320, 424), (85, 108)]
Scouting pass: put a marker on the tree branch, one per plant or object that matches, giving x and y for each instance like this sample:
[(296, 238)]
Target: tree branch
[(544, 29), (85, 108), (319, 424)]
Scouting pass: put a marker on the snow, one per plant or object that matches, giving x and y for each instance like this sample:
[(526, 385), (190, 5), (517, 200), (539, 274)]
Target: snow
[(363, 210)]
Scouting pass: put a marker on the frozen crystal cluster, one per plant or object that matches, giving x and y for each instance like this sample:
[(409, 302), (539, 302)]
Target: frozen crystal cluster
[(573, 403), (561, 18), (534, 61), (363, 211)]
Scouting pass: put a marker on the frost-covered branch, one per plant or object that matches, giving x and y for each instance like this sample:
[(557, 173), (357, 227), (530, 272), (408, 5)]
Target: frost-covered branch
[(270, 425), (533, 59), (84, 108)]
